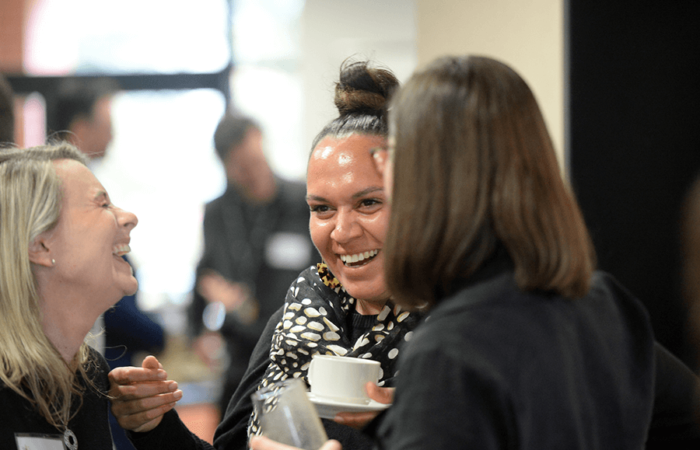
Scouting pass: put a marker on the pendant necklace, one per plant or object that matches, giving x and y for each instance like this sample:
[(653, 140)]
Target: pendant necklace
[(70, 439)]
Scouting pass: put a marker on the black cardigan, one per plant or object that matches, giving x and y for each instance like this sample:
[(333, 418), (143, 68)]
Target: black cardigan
[(90, 424), (493, 367), (496, 368)]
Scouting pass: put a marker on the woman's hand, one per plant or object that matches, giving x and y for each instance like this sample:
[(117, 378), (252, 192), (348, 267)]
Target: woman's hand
[(141, 395), (361, 419), (263, 443)]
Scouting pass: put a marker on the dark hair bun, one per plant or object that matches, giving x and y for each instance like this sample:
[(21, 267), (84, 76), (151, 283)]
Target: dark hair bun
[(363, 89)]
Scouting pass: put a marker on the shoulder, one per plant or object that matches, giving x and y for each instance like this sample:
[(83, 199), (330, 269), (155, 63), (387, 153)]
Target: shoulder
[(225, 200), (307, 277), (213, 211), (304, 285), (495, 317), (218, 201)]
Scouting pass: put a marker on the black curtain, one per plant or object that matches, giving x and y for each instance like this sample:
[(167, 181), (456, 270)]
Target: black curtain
[(633, 143)]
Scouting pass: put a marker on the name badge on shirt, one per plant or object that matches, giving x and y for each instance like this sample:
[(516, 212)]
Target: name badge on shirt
[(26, 441), (290, 251)]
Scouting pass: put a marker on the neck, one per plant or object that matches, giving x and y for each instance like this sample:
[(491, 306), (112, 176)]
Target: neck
[(65, 338), (63, 326), (370, 308)]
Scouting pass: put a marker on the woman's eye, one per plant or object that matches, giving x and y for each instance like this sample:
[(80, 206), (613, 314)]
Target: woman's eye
[(318, 208), (368, 202)]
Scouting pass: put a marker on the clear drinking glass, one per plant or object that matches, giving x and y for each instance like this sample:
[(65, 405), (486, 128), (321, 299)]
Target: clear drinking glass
[(287, 415)]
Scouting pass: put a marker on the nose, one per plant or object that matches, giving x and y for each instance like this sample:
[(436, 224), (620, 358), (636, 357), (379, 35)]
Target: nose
[(346, 227), (126, 219)]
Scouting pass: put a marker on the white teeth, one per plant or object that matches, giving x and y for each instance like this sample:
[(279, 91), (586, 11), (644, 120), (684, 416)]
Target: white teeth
[(121, 249), (358, 257)]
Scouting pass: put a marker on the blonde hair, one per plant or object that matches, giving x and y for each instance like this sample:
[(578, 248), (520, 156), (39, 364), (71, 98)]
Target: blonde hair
[(30, 203)]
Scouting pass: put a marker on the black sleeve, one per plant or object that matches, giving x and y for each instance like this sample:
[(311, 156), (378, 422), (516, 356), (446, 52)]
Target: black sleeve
[(170, 434), (232, 433), (676, 416), (473, 413)]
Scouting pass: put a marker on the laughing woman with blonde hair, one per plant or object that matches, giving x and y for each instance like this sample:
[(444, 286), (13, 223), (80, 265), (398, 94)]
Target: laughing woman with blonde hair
[(61, 242)]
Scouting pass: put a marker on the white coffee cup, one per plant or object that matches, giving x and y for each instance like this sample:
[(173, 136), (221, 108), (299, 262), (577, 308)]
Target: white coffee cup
[(342, 378)]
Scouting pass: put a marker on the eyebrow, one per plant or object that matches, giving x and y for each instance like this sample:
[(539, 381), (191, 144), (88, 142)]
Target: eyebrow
[(100, 194), (369, 190), (356, 195)]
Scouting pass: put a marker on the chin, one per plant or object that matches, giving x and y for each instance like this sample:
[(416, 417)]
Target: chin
[(132, 288), (362, 291)]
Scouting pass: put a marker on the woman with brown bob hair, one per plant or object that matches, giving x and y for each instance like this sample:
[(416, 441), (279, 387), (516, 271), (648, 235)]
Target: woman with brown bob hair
[(525, 345), (532, 347), (472, 131)]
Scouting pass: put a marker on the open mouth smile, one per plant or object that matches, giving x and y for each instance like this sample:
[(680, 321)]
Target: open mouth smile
[(121, 249), (359, 259)]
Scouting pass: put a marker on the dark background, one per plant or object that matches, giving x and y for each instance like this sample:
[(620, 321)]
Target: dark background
[(633, 143)]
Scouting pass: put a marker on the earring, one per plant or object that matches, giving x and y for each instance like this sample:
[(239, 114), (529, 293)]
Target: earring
[(53, 262)]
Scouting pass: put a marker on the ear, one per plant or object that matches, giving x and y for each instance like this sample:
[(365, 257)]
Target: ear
[(39, 252)]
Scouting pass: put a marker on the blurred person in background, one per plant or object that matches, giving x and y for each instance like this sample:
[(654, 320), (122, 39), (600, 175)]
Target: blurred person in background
[(7, 115), (82, 115), (256, 241)]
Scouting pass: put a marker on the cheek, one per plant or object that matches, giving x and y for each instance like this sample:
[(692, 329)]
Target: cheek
[(320, 235), (377, 226)]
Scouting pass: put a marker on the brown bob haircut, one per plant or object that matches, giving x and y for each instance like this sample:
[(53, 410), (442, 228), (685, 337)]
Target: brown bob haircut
[(475, 171)]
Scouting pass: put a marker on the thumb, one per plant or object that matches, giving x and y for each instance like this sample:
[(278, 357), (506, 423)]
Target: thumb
[(151, 362), (380, 394)]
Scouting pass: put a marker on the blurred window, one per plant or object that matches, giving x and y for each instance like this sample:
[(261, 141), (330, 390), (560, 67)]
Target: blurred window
[(162, 167), (172, 60), (127, 36)]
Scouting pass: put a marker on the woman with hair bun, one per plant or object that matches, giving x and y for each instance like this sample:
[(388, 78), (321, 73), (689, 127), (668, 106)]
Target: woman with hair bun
[(348, 223)]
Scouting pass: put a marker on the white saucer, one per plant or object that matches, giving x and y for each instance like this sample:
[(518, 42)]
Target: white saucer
[(327, 408)]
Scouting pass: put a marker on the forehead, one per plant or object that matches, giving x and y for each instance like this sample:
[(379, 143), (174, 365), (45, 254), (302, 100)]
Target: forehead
[(76, 179), (333, 156)]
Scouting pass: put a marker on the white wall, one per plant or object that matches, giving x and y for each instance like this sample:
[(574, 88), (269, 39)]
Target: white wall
[(333, 30), (526, 34), (405, 34)]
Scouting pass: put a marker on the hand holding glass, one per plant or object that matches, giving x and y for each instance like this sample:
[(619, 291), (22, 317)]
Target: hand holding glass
[(286, 415)]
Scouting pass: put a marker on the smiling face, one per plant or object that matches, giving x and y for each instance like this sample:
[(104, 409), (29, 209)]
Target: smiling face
[(89, 240), (349, 215)]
